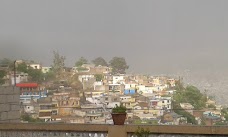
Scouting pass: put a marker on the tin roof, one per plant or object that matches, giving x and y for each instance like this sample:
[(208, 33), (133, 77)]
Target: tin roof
[(25, 85)]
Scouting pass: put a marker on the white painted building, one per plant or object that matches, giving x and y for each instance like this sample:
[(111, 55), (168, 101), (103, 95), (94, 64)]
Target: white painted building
[(112, 104), (35, 66), (29, 108), (20, 77), (161, 103), (82, 78), (46, 69), (120, 79), (130, 85)]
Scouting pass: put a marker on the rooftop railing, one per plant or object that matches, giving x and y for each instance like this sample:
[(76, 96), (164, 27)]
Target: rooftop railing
[(89, 130)]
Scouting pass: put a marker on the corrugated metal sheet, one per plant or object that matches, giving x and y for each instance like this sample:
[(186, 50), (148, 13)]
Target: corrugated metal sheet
[(27, 85)]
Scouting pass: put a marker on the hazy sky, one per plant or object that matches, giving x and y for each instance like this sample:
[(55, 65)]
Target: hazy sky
[(160, 36)]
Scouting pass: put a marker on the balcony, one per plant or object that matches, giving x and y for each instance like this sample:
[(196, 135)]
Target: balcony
[(96, 130)]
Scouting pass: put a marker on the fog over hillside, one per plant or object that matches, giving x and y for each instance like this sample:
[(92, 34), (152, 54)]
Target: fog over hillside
[(213, 83), (172, 37)]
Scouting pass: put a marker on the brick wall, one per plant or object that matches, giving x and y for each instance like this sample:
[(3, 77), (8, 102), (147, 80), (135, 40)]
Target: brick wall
[(9, 104)]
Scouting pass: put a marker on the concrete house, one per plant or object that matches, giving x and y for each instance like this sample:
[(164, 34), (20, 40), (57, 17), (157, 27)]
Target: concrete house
[(161, 103), (20, 77), (171, 118), (100, 70), (108, 79), (35, 65), (127, 101), (130, 88), (66, 102), (46, 109), (30, 91), (116, 88), (78, 112), (118, 79), (99, 86), (171, 82), (46, 69), (94, 114), (85, 77)]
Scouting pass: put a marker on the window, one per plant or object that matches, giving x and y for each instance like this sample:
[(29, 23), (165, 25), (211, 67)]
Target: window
[(54, 112)]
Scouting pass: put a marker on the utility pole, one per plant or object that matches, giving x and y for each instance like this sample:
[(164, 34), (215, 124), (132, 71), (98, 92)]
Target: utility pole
[(15, 72)]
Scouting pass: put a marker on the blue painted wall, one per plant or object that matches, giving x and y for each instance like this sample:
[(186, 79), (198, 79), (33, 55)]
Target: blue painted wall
[(129, 91)]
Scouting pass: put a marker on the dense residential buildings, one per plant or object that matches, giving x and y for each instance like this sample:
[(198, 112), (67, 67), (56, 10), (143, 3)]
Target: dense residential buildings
[(86, 94)]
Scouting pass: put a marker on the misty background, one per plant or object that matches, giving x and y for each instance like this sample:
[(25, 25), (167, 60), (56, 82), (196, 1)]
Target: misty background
[(187, 38)]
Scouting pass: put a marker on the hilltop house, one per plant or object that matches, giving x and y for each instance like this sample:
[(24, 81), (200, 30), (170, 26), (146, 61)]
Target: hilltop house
[(35, 65), (46, 69), (90, 68)]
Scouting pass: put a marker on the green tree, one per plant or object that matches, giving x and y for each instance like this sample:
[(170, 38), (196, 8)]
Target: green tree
[(28, 118), (179, 85), (81, 61), (36, 75), (141, 132), (119, 65), (195, 97), (58, 63), (99, 61), (220, 123), (177, 109), (22, 67), (98, 77), (7, 63), (2, 74), (49, 76), (224, 113), (191, 95)]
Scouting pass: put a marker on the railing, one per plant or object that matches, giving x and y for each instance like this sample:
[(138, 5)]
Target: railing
[(52, 130), (88, 130)]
